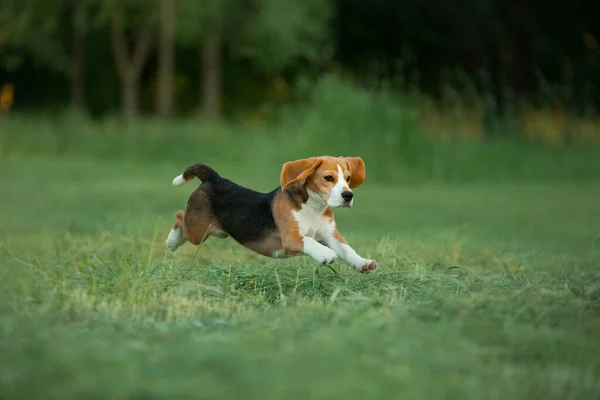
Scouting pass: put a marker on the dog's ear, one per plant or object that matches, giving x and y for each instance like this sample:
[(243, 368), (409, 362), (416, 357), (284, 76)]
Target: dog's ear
[(357, 168), (293, 172)]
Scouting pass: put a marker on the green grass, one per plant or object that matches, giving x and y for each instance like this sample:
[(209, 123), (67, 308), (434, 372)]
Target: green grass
[(485, 291), (335, 118)]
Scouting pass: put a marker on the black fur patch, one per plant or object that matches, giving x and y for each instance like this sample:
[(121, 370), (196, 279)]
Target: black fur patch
[(246, 215), (297, 196)]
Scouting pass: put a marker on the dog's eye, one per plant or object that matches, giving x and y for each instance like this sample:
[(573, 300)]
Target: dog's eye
[(348, 179), (329, 178)]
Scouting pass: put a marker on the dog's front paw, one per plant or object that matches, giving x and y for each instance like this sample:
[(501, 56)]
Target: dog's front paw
[(326, 256), (367, 266)]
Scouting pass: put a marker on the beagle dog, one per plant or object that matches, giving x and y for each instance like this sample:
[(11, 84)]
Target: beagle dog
[(295, 218)]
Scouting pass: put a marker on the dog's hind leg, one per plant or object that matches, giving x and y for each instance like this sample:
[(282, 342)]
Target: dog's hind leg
[(176, 237), (198, 222), (198, 226)]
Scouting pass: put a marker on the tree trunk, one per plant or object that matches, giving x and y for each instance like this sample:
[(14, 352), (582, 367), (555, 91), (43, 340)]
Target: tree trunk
[(130, 97), (77, 62), (211, 76), (166, 61), (129, 66)]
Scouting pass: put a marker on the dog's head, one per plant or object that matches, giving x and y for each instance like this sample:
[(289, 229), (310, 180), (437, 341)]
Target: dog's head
[(330, 178)]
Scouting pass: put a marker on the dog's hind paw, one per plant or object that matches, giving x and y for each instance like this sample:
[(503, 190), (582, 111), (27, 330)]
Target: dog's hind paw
[(175, 239)]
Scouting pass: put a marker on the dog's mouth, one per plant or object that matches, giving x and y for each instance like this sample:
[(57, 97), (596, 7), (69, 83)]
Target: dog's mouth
[(341, 203)]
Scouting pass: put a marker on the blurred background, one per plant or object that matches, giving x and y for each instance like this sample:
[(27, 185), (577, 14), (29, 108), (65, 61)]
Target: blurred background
[(451, 89)]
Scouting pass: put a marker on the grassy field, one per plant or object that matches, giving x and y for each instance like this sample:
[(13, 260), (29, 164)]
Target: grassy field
[(485, 291)]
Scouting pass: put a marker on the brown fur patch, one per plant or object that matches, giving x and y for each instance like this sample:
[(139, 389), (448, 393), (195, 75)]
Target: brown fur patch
[(178, 219), (294, 172), (329, 214), (339, 237), (358, 170), (291, 240), (198, 221)]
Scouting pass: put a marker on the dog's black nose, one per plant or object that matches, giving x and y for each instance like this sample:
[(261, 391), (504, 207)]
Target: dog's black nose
[(347, 195)]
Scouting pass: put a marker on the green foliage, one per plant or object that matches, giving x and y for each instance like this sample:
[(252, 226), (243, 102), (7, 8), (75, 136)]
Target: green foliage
[(35, 27), (489, 291), (133, 12), (273, 34), (284, 32), (195, 18), (341, 118), (263, 39)]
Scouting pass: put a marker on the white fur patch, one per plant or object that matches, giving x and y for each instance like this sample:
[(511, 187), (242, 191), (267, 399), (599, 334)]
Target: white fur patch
[(178, 181), (316, 250), (335, 198), (175, 239), (347, 253), (313, 223), (311, 219)]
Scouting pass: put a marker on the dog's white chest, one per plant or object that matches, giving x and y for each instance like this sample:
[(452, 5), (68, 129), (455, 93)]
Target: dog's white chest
[(312, 222)]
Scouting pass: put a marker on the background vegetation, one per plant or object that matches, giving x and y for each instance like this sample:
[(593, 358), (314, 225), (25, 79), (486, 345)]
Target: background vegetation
[(239, 59), (478, 123)]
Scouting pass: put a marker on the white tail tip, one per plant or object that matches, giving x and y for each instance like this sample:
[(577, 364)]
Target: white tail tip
[(178, 181)]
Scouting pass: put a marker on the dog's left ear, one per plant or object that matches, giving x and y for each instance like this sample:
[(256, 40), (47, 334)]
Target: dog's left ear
[(293, 172), (357, 169)]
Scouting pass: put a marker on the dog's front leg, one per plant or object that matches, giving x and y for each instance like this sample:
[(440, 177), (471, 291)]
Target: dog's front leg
[(316, 250), (346, 253), (309, 246)]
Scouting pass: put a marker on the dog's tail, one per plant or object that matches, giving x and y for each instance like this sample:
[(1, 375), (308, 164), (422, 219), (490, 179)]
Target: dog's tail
[(201, 171)]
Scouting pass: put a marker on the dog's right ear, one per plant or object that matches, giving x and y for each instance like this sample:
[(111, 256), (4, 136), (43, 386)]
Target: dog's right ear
[(294, 172)]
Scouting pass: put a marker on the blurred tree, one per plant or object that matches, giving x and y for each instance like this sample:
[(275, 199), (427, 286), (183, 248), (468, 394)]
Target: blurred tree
[(282, 33), (495, 51), (203, 24), (270, 34), (132, 15), (166, 60), (79, 11), (31, 29), (211, 53)]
